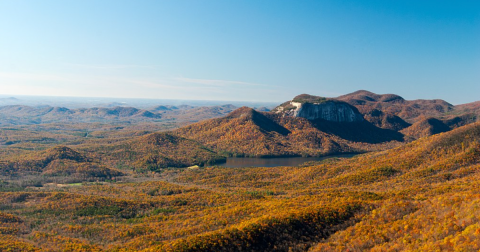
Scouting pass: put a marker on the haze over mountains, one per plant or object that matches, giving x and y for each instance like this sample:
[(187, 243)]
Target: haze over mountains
[(305, 126), (107, 179), (391, 195), (312, 126), (21, 115), (386, 111), (105, 102)]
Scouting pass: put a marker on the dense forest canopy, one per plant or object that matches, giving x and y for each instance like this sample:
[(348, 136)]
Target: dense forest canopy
[(154, 186)]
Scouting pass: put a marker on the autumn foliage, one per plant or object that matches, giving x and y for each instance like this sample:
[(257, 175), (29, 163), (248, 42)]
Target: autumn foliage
[(421, 196)]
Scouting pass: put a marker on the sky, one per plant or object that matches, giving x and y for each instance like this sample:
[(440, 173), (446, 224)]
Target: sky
[(240, 50)]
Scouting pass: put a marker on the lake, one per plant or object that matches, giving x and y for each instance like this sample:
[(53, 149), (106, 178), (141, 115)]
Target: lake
[(234, 162)]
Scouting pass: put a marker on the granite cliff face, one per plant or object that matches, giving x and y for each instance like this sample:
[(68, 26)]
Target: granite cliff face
[(314, 107)]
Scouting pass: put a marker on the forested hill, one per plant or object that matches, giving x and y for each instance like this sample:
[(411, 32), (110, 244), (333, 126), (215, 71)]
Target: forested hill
[(422, 196), (305, 126), (246, 132)]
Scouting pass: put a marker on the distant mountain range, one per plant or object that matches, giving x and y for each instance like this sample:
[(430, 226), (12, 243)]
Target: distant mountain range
[(307, 125), (386, 111), (313, 126), (389, 111), (24, 115)]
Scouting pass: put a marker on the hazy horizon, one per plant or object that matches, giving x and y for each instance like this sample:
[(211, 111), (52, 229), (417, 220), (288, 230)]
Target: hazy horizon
[(166, 101), (88, 102), (256, 51)]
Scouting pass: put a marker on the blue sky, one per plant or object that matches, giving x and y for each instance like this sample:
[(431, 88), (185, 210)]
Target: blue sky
[(248, 50)]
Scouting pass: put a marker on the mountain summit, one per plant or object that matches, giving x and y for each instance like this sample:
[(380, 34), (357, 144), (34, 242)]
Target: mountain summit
[(391, 104), (316, 107)]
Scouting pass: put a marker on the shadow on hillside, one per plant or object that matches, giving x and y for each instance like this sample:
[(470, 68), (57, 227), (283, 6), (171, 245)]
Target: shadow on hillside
[(358, 131)]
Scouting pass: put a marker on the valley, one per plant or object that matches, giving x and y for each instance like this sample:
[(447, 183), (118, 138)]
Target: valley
[(239, 126), (151, 179)]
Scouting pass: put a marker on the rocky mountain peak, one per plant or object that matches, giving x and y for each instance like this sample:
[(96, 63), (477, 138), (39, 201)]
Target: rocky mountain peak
[(316, 107)]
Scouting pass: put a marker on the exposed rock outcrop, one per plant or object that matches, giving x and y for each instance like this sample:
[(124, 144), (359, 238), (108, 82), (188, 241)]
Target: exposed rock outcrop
[(314, 107)]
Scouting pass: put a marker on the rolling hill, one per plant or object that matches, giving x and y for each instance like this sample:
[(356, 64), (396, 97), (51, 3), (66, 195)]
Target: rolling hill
[(421, 196), (61, 162), (415, 195), (26, 115), (393, 104), (246, 132), (305, 126), (156, 151)]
